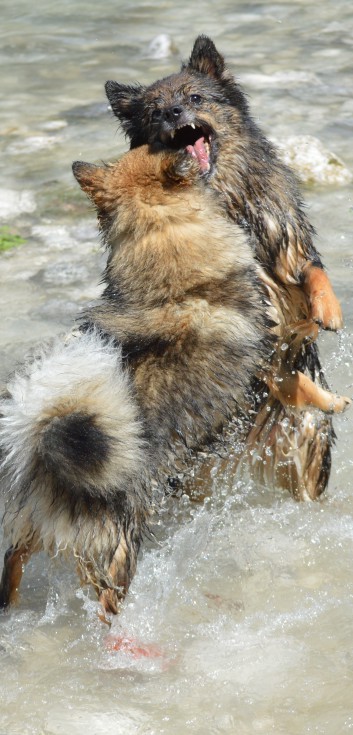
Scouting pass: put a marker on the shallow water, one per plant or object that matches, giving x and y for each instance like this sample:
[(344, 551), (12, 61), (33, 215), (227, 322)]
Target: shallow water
[(245, 601)]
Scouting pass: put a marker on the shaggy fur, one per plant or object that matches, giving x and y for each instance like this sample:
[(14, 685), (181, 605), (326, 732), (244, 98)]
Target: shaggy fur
[(183, 296), (171, 347), (202, 110), (74, 463)]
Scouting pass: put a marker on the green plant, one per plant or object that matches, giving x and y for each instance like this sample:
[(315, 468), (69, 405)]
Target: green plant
[(8, 239)]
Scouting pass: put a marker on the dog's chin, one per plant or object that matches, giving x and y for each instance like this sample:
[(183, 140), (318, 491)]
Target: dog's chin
[(196, 140)]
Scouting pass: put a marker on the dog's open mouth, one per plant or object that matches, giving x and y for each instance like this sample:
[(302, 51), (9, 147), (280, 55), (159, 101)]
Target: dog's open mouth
[(196, 140)]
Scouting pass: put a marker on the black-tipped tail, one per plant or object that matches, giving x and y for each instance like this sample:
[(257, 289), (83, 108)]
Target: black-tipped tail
[(74, 447)]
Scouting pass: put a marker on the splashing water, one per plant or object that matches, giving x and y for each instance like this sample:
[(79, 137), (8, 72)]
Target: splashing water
[(242, 603)]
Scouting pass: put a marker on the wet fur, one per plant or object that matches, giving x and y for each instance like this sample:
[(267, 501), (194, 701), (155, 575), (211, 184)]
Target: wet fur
[(156, 372), (183, 296), (261, 196), (74, 461)]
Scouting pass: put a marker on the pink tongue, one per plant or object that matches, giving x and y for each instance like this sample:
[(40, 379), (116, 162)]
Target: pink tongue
[(199, 152)]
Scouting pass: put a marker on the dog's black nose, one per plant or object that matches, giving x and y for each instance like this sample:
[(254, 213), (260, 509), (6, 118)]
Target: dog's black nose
[(173, 113)]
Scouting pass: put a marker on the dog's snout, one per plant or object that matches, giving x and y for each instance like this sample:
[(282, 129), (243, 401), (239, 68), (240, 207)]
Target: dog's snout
[(173, 113)]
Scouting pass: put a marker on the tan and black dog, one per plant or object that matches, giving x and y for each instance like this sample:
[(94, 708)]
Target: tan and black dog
[(203, 111), (156, 371)]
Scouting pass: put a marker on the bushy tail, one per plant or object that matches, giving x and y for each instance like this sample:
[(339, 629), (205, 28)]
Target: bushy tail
[(69, 419)]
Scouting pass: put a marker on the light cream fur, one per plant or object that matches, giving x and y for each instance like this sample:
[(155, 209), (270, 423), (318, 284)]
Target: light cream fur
[(82, 374)]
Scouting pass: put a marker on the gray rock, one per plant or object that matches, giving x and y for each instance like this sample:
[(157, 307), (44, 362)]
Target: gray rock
[(13, 203), (161, 47), (313, 163)]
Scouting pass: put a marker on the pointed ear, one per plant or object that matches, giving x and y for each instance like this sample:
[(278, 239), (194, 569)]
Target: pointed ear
[(91, 179), (205, 58), (126, 101)]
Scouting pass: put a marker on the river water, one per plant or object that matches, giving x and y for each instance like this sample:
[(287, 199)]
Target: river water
[(246, 601)]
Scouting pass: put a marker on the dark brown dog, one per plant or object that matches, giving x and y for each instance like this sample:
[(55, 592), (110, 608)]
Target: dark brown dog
[(203, 111)]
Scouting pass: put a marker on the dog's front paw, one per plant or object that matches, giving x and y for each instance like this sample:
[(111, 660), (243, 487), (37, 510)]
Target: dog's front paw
[(326, 310), (325, 307)]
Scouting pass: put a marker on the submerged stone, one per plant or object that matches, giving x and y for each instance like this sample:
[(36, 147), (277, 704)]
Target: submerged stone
[(312, 162), (161, 47), (13, 203)]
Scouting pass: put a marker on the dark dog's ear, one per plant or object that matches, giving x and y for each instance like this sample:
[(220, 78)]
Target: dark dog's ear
[(127, 103), (91, 179), (205, 58)]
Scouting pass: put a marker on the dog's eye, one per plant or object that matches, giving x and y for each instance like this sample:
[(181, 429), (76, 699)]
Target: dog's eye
[(196, 99), (156, 114)]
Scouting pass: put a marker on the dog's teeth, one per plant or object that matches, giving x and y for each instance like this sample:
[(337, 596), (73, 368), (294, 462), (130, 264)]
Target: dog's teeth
[(172, 134), (193, 126)]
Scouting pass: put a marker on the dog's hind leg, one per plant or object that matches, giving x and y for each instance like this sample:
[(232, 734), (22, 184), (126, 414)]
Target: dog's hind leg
[(291, 450), (120, 572), (14, 562), (112, 584)]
